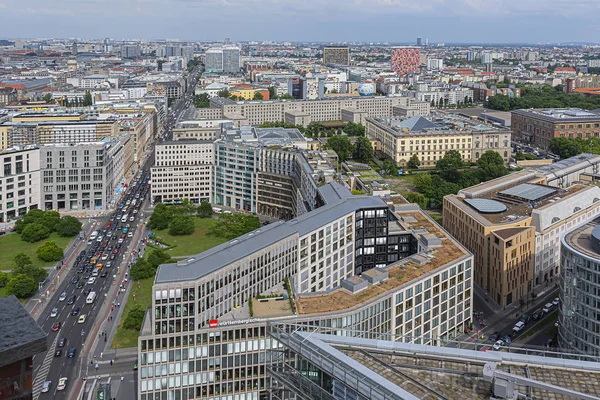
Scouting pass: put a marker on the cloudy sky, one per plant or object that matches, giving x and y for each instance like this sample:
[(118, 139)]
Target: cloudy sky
[(472, 21)]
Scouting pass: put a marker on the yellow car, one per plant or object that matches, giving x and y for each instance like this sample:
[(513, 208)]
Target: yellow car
[(81, 319)]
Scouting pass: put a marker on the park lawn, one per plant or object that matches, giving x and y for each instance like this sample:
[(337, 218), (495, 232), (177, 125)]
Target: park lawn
[(195, 243), (143, 296), (11, 244)]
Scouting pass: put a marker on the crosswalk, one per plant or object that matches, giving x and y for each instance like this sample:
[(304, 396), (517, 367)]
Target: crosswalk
[(42, 373)]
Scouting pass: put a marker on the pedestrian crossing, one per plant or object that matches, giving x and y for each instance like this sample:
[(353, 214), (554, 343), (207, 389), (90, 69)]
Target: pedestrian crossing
[(42, 373)]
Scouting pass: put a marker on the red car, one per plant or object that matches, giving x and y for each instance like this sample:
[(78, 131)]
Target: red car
[(103, 245), (56, 326), (116, 251), (98, 254), (107, 225)]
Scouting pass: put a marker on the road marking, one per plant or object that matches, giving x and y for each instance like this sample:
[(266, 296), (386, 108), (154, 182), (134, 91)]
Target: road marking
[(42, 374)]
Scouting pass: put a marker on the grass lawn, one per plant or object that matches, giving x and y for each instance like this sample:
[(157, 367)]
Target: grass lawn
[(127, 337), (195, 243), (11, 244)]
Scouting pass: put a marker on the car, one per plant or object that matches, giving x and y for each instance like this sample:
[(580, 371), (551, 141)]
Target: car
[(107, 225), (123, 236), (538, 314), (61, 342), (555, 301), (63, 296), (125, 230), (104, 245), (95, 273), (75, 311), (80, 270), (131, 219), (46, 386), (87, 275), (113, 256), (108, 264), (99, 239), (81, 319), (62, 384), (547, 308), (495, 336), (54, 312), (116, 251), (525, 319), (56, 326), (135, 211), (130, 235), (498, 345), (104, 274), (58, 353), (121, 240), (72, 299), (109, 234), (91, 281), (519, 326), (71, 352), (79, 285), (105, 257), (75, 279)]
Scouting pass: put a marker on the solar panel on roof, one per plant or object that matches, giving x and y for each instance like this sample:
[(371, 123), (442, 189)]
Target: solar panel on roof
[(486, 206), (528, 192)]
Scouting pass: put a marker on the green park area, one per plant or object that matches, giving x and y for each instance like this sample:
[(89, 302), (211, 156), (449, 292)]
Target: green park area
[(194, 243), (11, 245)]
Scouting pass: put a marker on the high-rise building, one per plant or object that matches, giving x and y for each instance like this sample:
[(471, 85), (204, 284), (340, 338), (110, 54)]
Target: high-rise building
[(418, 41), (471, 56), (107, 45), (406, 60), (130, 51), (74, 48), (336, 55), (214, 60), (231, 59), (487, 57)]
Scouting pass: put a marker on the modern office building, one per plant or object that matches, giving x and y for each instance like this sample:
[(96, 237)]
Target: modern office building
[(182, 170), (22, 339), (257, 112), (19, 181), (406, 60), (338, 55), (356, 264), (538, 127), (401, 139), (84, 176), (224, 59), (131, 51), (513, 226), (579, 328)]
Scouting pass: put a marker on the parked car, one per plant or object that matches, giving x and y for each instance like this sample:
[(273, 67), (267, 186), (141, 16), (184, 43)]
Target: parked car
[(555, 301), (538, 314), (547, 308), (499, 345), (519, 326), (525, 319)]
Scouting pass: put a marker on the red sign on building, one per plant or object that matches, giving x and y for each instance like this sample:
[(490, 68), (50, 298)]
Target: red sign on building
[(213, 323)]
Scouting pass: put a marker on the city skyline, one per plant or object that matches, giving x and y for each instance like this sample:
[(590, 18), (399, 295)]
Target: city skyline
[(507, 21)]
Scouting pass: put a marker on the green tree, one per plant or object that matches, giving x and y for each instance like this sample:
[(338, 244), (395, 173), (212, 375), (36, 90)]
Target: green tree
[(4, 278), (142, 269), (49, 251), (202, 100), (182, 225), (135, 318), (414, 161), (205, 210), (566, 148), (157, 257), (389, 167), (22, 259), (21, 286), (492, 165), (352, 129), (34, 233), (286, 96), (424, 184), (417, 198), (51, 219), (68, 226), (160, 218), (187, 207), (258, 96), (363, 150), (31, 216), (341, 145), (230, 226), (272, 93), (37, 273), (449, 165), (87, 99), (224, 93), (48, 97)]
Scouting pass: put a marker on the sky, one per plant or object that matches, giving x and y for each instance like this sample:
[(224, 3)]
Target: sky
[(394, 21)]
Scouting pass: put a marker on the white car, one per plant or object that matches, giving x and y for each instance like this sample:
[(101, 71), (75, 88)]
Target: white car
[(62, 384), (54, 312), (81, 319), (91, 281), (46, 387), (555, 301), (95, 273), (519, 326), (63, 296), (104, 257), (547, 308), (130, 234), (498, 345)]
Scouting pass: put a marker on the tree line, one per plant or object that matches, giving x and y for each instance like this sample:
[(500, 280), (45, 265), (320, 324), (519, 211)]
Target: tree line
[(543, 97)]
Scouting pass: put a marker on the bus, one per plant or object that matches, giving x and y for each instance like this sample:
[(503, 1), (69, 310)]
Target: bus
[(91, 297)]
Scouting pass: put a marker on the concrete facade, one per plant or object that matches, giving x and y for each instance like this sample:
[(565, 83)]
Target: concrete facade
[(19, 182)]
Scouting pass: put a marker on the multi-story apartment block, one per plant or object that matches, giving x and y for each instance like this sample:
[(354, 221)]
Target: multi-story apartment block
[(400, 139), (93, 81), (182, 170), (82, 176), (406, 60), (223, 59), (521, 212), (130, 51), (257, 112), (539, 126), (336, 55), (354, 264), (19, 182), (7, 95)]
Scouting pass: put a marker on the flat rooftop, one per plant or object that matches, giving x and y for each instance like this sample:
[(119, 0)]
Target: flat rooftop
[(582, 239), (557, 115)]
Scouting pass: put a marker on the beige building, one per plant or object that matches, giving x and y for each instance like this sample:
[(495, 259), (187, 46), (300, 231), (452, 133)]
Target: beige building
[(512, 225), (141, 129), (400, 139)]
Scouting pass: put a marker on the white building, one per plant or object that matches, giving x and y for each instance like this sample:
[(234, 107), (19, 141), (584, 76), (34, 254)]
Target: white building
[(19, 181), (93, 81)]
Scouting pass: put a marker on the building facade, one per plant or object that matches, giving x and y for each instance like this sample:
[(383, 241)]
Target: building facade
[(19, 182), (336, 55), (406, 60)]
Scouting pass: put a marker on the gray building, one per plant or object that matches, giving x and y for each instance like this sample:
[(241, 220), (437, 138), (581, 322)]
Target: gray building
[(19, 181), (223, 59), (131, 51), (84, 176)]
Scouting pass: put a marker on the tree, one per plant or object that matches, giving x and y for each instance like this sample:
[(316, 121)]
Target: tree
[(31, 216), (441, 102), (352, 129), (51, 219), (142, 269), (286, 96), (423, 183), (389, 167), (258, 96), (205, 210), (48, 97), (182, 225), (4, 278), (363, 150), (417, 198), (341, 145), (22, 259), (202, 100), (492, 165), (160, 218), (449, 166), (34, 233), (21, 286), (68, 226), (38, 274), (272, 93), (157, 257), (224, 93), (414, 161), (135, 318), (230, 226), (87, 99), (49, 251)]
